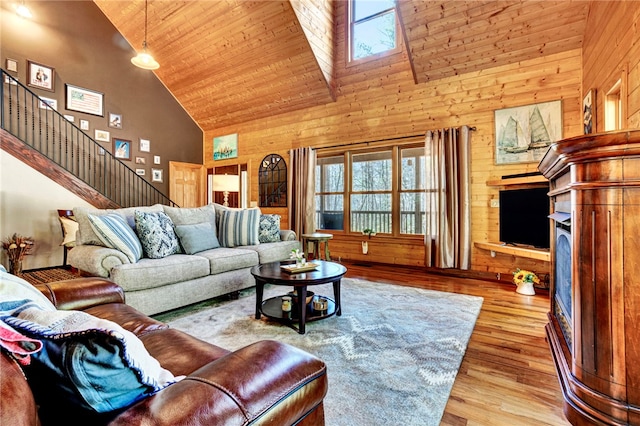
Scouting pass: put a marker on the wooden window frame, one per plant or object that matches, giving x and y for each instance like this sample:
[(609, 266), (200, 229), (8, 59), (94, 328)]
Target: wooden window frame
[(347, 153), (349, 36)]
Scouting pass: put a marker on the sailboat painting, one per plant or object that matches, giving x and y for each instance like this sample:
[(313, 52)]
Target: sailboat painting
[(524, 133)]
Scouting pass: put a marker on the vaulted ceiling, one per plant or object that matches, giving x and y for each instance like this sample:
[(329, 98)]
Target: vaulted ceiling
[(232, 61)]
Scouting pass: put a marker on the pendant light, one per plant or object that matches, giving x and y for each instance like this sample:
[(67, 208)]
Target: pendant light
[(143, 59), (23, 11)]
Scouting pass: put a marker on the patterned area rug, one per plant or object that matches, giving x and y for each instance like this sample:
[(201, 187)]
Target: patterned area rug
[(48, 275), (392, 356)]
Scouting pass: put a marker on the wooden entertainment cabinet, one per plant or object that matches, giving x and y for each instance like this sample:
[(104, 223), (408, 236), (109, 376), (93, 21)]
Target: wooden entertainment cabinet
[(594, 323)]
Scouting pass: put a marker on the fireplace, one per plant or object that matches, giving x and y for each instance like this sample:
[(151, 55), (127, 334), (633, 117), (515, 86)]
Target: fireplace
[(562, 280)]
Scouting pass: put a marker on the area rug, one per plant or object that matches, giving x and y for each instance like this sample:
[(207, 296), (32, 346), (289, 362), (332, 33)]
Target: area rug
[(392, 356)]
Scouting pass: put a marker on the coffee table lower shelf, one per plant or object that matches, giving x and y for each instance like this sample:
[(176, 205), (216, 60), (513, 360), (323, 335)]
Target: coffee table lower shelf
[(272, 309)]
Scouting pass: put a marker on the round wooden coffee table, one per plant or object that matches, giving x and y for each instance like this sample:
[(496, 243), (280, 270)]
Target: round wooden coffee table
[(301, 312)]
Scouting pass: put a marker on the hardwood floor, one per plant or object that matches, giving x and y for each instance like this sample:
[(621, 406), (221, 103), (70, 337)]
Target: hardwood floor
[(507, 375)]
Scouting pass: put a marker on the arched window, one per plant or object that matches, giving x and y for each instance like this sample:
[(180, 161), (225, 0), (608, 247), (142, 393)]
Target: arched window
[(272, 181)]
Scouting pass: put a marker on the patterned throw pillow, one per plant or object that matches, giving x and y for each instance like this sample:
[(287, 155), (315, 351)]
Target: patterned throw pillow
[(156, 234), (239, 227), (115, 233), (269, 231)]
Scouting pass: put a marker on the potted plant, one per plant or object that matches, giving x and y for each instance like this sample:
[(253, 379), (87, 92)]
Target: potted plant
[(17, 248), (369, 232), (525, 281)]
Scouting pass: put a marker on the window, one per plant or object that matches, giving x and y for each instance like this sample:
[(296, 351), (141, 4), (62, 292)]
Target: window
[(413, 199), (371, 192), (330, 193), (613, 108), (272, 181), (383, 189), (372, 28)]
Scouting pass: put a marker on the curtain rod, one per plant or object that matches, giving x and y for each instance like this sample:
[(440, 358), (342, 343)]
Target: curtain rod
[(379, 140)]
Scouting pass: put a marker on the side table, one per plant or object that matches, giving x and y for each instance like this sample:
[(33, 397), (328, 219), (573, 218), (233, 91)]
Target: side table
[(316, 239)]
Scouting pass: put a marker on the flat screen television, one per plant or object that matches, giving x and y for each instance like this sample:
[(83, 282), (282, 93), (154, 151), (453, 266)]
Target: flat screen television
[(524, 217)]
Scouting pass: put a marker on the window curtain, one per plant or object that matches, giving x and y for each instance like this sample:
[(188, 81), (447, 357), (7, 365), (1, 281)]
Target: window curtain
[(301, 190), (448, 232)]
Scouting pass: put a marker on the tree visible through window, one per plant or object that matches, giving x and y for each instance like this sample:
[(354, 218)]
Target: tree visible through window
[(374, 198), (372, 28)]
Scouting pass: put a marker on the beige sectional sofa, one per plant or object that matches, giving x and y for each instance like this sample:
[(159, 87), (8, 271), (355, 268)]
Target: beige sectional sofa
[(154, 285)]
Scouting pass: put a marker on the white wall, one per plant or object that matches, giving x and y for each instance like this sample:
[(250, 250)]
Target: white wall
[(28, 205)]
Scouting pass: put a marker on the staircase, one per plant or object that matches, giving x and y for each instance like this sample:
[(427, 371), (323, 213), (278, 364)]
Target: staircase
[(42, 138)]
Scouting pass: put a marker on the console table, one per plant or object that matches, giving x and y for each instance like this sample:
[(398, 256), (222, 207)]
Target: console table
[(594, 320)]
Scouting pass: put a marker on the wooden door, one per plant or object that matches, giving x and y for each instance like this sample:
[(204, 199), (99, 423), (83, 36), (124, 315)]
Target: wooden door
[(187, 184)]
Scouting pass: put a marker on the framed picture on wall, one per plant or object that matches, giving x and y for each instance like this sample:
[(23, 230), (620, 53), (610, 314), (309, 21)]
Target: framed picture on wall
[(145, 145), (84, 125), (589, 112), (524, 133), (115, 120), (84, 100), (225, 147), (122, 149), (156, 175), (48, 103), (41, 76), (101, 135)]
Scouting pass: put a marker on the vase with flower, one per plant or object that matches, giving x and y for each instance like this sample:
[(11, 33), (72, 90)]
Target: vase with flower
[(17, 248), (298, 256), (525, 281)]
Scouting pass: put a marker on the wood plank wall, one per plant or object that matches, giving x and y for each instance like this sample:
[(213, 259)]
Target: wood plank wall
[(379, 102), (611, 50)]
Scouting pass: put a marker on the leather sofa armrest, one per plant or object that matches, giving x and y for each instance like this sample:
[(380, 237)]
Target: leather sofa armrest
[(82, 293), (267, 382)]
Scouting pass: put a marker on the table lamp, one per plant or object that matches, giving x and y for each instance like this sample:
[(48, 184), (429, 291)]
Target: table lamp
[(226, 184)]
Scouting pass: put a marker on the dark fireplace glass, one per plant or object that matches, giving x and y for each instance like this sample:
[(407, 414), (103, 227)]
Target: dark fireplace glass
[(562, 282)]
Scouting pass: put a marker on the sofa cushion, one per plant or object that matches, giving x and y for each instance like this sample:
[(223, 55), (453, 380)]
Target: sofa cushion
[(192, 216), (239, 227), (197, 237), (156, 234), (115, 233), (151, 273), (229, 259), (86, 235), (269, 230), (274, 252)]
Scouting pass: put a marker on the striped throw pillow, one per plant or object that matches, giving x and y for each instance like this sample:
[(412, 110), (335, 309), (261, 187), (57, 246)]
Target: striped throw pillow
[(115, 233), (239, 227)]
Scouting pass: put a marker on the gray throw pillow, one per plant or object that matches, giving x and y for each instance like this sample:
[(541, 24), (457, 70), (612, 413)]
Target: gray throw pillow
[(197, 237)]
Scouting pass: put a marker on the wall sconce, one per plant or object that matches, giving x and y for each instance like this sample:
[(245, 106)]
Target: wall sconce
[(226, 184)]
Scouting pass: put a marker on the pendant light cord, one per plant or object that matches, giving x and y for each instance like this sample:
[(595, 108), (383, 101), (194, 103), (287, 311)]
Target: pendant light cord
[(145, 23)]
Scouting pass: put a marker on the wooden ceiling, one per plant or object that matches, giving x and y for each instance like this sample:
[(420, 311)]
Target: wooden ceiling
[(447, 38), (233, 61)]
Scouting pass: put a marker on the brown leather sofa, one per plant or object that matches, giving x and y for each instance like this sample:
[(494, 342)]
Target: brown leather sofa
[(264, 383)]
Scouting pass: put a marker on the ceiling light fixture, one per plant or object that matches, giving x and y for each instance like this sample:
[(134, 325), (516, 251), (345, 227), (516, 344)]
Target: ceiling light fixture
[(23, 11), (143, 59)]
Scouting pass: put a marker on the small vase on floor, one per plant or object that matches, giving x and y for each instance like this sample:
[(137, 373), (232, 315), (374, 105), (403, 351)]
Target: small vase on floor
[(526, 289), (15, 267)]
